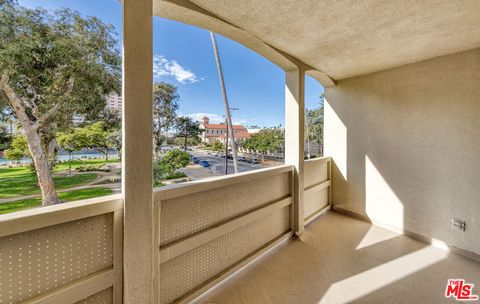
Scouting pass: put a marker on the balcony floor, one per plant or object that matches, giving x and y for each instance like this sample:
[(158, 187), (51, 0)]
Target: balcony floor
[(344, 260)]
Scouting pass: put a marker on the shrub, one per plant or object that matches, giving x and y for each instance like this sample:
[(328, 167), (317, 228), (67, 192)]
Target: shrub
[(170, 162)]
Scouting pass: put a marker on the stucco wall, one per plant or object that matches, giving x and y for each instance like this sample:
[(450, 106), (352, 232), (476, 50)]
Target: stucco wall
[(406, 146)]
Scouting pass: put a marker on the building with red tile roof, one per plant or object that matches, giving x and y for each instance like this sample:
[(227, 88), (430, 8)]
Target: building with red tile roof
[(213, 132)]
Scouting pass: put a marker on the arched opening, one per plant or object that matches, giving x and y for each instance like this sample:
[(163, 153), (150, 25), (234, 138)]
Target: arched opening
[(189, 115)]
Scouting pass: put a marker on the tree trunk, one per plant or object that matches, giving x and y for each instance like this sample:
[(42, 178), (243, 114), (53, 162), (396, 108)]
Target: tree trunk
[(39, 157), (51, 153), (42, 168)]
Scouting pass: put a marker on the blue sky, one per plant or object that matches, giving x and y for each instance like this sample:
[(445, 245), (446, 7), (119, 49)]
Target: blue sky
[(184, 57)]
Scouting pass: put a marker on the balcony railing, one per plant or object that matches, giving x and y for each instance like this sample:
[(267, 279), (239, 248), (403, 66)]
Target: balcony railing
[(207, 230), (63, 254)]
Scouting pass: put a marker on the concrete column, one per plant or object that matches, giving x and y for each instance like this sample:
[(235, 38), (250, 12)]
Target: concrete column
[(139, 236), (294, 139)]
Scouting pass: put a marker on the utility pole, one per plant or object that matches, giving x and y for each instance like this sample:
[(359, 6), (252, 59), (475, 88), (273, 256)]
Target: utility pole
[(226, 148), (186, 136), (225, 101), (308, 136)]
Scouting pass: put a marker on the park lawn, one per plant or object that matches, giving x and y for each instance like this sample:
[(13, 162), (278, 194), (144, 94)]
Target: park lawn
[(79, 163), (64, 197), (21, 182)]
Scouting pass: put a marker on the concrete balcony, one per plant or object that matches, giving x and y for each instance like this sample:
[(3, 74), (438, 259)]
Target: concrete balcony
[(205, 231), (227, 240), (401, 132)]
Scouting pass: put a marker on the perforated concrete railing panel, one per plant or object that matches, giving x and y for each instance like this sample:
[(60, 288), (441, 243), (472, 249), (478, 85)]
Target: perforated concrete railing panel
[(317, 186), (191, 213), (188, 271), (34, 262), (55, 260), (206, 233)]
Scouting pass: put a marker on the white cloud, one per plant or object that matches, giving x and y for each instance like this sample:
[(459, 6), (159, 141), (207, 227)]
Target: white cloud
[(164, 67), (240, 121), (216, 118)]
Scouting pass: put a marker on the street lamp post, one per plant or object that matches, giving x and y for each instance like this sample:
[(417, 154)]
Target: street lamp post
[(226, 144), (225, 101)]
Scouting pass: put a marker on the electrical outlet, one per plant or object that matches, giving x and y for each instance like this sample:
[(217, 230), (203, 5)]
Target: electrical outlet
[(458, 224)]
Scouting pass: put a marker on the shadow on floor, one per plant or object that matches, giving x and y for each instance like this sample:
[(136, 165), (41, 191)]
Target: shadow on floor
[(345, 260)]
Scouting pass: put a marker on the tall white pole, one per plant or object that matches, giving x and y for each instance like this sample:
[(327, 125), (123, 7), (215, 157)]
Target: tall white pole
[(225, 101), (308, 135)]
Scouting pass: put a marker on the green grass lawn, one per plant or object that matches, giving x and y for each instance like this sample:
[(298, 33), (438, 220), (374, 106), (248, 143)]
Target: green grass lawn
[(20, 181), (64, 197), (25, 183)]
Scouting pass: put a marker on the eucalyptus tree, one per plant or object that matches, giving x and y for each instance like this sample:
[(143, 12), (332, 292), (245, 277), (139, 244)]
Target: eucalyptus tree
[(165, 106), (53, 66), (187, 128), (314, 123)]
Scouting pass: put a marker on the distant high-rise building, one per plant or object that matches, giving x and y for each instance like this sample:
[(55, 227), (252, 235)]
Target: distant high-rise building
[(114, 102)]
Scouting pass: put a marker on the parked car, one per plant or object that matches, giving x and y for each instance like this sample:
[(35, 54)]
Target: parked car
[(242, 159), (195, 160), (204, 163), (229, 156), (254, 161)]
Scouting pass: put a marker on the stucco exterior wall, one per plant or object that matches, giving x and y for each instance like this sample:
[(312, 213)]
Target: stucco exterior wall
[(406, 146)]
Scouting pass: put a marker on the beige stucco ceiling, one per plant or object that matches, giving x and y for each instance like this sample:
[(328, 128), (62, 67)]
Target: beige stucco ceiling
[(343, 39)]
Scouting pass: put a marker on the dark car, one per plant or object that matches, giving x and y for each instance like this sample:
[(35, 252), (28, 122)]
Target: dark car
[(254, 161), (204, 163), (229, 156), (242, 159), (195, 160)]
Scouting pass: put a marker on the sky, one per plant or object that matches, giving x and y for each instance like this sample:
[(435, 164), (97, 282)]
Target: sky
[(183, 56)]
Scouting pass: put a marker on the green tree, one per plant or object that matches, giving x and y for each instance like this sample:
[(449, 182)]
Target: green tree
[(112, 118), (179, 141), (96, 136), (5, 138), (187, 128), (218, 146), (18, 150), (169, 163), (314, 123), (115, 139), (266, 140), (165, 106), (70, 141), (52, 66)]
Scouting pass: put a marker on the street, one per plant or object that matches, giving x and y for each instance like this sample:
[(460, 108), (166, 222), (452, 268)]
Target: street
[(217, 165)]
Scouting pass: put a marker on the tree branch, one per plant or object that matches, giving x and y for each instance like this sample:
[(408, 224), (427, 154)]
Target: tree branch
[(15, 102), (44, 117)]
